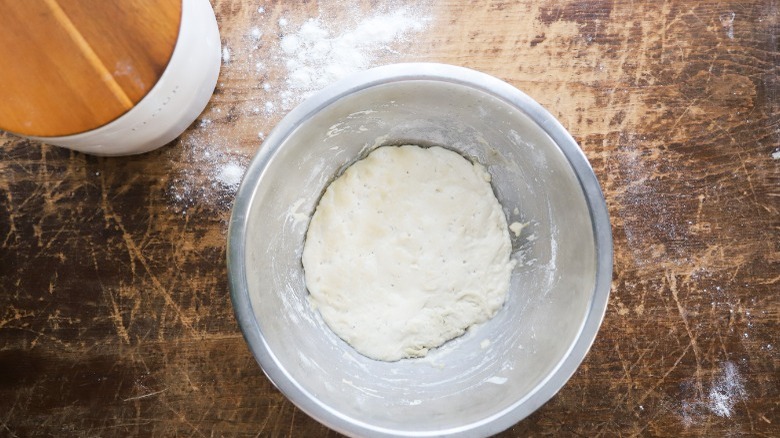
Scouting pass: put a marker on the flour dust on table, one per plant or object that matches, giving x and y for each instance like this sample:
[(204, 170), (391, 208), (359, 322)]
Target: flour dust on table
[(406, 250), (316, 55), (288, 59), (319, 50), (209, 172)]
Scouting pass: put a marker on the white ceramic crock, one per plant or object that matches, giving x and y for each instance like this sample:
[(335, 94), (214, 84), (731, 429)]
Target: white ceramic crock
[(174, 102)]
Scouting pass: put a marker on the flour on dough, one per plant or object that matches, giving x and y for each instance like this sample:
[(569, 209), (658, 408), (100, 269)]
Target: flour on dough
[(407, 249)]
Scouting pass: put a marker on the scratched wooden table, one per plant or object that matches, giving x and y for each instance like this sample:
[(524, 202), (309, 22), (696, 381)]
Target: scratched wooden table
[(115, 317)]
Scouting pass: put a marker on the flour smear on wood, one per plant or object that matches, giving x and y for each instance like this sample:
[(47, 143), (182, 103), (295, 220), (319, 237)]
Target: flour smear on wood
[(726, 390)]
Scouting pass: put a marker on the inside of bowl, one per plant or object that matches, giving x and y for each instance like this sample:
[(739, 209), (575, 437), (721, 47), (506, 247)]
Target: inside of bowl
[(494, 367)]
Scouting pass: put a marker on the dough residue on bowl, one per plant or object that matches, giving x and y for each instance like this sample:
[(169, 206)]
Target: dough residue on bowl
[(406, 250)]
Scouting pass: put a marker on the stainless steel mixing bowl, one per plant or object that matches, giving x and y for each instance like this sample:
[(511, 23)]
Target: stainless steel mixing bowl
[(499, 372)]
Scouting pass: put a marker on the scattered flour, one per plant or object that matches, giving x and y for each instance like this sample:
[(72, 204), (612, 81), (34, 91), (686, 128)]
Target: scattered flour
[(230, 175), (285, 61), (315, 55), (726, 391), (208, 170)]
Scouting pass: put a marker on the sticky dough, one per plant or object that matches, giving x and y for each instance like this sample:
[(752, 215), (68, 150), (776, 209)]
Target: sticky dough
[(407, 249)]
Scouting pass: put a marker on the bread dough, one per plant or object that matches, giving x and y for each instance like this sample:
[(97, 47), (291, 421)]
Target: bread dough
[(407, 249)]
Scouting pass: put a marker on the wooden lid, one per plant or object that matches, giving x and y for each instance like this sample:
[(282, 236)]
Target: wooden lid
[(69, 66)]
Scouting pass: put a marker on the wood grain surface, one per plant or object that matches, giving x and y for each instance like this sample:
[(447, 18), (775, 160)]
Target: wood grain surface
[(70, 66), (115, 317)]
